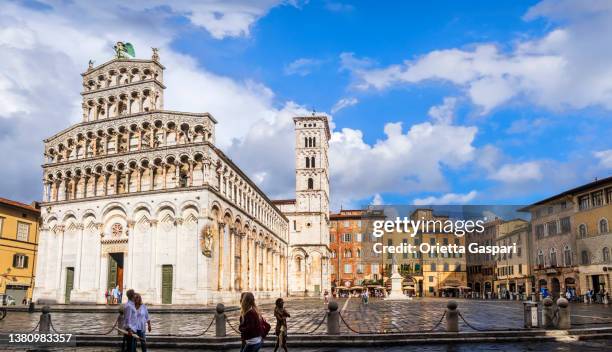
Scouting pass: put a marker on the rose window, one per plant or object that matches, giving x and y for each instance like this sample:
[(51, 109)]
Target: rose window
[(117, 230)]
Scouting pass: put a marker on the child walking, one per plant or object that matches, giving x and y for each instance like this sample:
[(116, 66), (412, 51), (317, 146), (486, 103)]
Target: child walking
[(281, 315)]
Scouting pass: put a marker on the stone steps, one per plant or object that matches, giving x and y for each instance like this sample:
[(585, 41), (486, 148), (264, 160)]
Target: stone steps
[(361, 340)]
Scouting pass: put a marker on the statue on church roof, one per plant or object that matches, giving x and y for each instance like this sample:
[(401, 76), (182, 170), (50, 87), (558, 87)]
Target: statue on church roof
[(122, 50), (155, 56)]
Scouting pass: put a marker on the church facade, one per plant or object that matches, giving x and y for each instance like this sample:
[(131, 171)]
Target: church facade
[(139, 197)]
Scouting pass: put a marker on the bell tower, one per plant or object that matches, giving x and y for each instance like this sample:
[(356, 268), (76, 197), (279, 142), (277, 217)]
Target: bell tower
[(312, 166), (308, 216)]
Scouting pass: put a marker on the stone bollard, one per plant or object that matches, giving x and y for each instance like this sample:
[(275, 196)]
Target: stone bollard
[(530, 314), (548, 313), (452, 317), (333, 319), (31, 307), (120, 318), (564, 321), (220, 321), (44, 324)]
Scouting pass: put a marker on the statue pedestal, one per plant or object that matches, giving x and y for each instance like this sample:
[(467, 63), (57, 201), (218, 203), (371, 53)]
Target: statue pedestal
[(397, 293)]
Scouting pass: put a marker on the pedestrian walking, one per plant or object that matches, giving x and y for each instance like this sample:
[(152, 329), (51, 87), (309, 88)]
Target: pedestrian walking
[(115, 293), (130, 322), (144, 322), (242, 341), (325, 297), (281, 315), (253, 327), (106, 296)]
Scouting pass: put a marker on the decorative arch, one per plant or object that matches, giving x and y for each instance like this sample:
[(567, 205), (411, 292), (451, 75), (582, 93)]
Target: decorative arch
[(165, 206), (113, 206)]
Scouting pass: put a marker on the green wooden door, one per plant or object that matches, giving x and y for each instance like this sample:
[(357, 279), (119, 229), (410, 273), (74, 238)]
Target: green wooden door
[(112, 272), (166, 284), (69, 283)]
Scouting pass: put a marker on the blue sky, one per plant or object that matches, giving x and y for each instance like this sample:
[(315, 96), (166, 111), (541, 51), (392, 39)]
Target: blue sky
[(440, 102)]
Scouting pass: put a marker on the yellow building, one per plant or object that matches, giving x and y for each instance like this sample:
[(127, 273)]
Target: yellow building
[(428, 274), (592, 222), (18, 246), (513, 270)]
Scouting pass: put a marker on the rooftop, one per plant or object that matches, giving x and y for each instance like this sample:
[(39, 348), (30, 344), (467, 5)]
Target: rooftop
[(570, 192), (34, 207)]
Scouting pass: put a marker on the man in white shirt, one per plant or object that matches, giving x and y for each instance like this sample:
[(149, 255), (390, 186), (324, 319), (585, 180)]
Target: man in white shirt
[(130, 322)]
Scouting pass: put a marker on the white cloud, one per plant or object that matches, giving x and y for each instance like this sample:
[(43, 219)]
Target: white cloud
[(377, 200), (448, 198), (302, 66), (605, 158), (445, 112), (560, 70), (401, 163), (221, 18), (519, 172), (343, 103)]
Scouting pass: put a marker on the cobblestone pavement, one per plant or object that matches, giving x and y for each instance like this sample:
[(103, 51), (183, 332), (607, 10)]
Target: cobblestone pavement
[(306, 314)]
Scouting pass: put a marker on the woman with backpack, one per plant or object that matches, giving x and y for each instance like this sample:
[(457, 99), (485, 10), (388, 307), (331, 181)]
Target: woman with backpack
[(253, 327)]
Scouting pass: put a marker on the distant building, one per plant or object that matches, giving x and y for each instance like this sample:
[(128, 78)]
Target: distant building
[(513, 270), (427, 274), (353, 262), (572, 239), (592, 222), (481, 267), (18, 248)]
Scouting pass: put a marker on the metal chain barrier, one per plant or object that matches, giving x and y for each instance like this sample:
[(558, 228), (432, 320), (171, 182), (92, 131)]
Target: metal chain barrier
[(349, 327), (36, 327), (96, 333), (480, 329), (230, 324), (318, 325), (438, 323), (187, 335), (52, 327)]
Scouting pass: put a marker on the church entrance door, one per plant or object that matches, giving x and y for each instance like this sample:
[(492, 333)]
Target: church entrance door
[(115, 271), (69, 284), (167, 284)]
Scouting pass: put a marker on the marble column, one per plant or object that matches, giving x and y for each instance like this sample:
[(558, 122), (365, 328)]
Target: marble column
[(79, 260)]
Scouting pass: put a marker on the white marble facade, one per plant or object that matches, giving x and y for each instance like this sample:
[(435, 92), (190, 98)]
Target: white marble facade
[(141, 196)]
